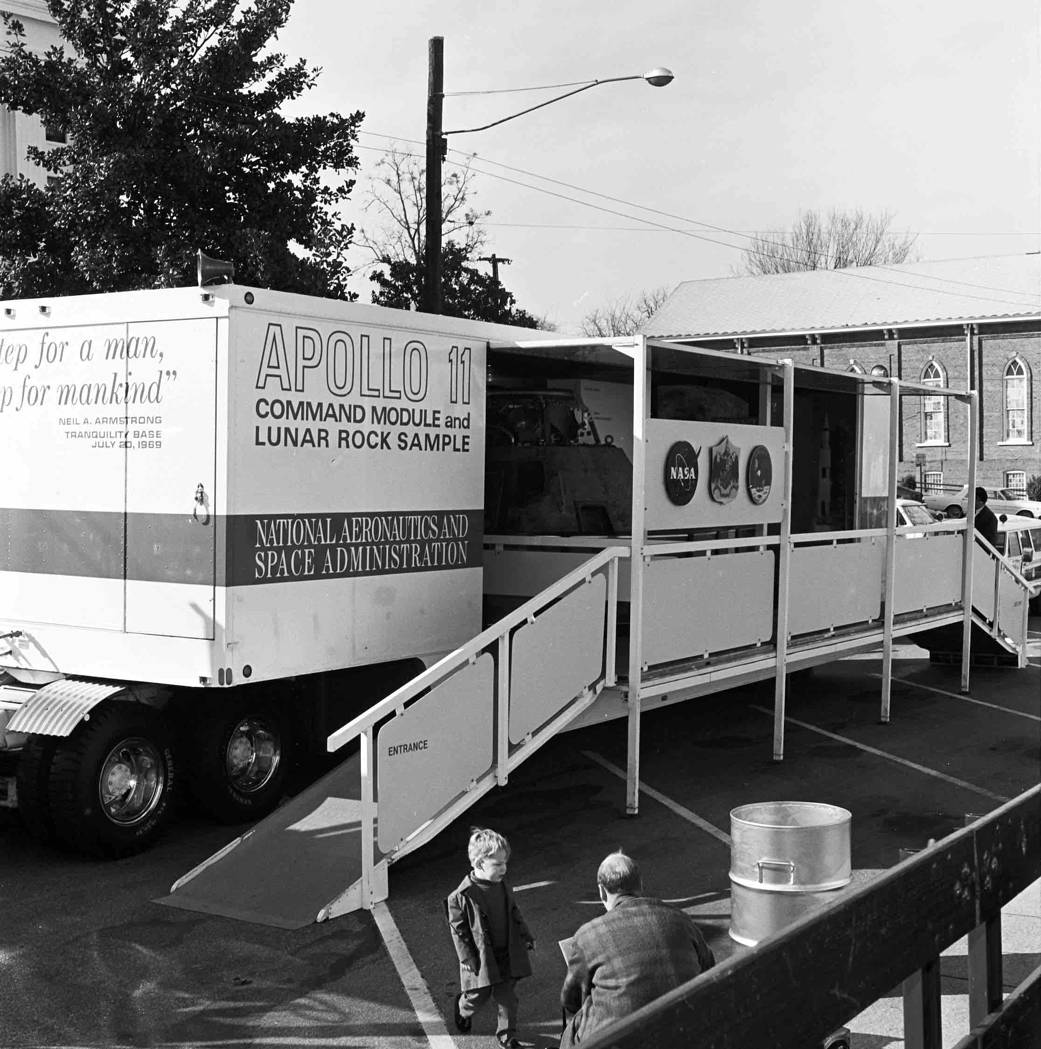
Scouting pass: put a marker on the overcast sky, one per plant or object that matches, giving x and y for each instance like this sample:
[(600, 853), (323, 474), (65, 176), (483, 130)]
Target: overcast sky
[(928, 109)]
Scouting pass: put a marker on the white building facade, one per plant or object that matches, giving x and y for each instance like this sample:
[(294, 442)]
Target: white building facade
[(18, 131)]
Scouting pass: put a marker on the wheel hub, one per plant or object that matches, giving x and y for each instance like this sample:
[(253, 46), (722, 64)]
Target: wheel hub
[(131, 781), (253, 755)]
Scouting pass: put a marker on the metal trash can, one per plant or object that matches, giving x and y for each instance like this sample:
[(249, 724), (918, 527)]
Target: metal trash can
[(786, 859)]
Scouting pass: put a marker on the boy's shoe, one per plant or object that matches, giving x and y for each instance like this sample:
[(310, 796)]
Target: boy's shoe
[(462, 1023), (507, 1041)]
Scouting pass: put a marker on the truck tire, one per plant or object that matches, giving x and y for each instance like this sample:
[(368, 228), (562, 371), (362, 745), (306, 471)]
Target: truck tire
[(112, 781), (34, 773), (237, 760)]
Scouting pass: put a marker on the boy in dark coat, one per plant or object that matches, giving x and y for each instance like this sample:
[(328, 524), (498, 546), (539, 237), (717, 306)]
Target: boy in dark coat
[(490, 937)]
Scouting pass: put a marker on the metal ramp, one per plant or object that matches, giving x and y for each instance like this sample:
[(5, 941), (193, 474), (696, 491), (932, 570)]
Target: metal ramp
[(284, 870)]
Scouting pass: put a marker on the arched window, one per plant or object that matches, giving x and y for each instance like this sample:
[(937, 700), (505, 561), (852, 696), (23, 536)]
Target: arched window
[(1017, 400), (934, 409), (855, 367), (881, 371)]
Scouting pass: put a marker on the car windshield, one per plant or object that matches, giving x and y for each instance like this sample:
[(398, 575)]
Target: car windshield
[(1005, 493), (917, 514)]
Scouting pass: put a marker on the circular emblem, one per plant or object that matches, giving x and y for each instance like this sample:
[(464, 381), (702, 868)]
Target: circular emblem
[(760, 475), (681, 473)]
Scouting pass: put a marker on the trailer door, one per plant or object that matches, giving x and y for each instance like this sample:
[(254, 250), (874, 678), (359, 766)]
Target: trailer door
[(171, 504), (62, 541)]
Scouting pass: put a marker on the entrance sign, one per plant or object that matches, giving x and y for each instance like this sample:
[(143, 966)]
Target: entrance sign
[(420, 766)]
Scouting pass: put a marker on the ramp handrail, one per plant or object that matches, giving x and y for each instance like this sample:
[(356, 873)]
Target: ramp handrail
[(1002, 564), (1013, 633), (486, 690), (443, 667), (806, 981)]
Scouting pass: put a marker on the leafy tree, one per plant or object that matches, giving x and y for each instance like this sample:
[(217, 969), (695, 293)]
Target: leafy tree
[(175, 142), (1034, 487), (624, 316), (833, 241), (465, 292), (398, 197)]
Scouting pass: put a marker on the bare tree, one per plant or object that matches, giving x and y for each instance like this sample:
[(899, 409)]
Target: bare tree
[(397, 243), (397, 197), (625, 315), (829, 242)]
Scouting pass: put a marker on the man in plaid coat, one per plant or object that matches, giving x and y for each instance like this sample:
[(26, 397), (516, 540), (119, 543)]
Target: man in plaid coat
[(636, 952)]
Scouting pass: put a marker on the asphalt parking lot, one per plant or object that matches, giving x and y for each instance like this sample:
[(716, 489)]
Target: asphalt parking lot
[(88, 959)]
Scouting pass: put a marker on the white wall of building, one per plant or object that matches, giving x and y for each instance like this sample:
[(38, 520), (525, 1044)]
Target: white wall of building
[(18, 131)]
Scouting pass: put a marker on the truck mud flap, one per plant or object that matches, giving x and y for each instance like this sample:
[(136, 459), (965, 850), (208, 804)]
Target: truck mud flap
[(56, 709)]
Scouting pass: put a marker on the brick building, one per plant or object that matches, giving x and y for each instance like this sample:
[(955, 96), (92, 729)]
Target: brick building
[(961, 323), (18, 131)]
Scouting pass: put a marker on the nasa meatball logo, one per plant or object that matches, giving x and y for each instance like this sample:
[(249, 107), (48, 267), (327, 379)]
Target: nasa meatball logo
[(681, 473)]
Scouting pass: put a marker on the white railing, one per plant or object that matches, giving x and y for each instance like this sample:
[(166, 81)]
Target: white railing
[(834, 581), (1000, 596), (497, 694)]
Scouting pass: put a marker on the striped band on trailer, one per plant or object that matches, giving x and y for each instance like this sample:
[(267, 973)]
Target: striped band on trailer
[(240, 549), (56, 709)]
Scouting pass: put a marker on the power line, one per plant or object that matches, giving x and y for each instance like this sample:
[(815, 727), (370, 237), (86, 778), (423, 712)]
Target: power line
[(746, 233), (712, 240), (737, 233), (513, 90), (702, 237)]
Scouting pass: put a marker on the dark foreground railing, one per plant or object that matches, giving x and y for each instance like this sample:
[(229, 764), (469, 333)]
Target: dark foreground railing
[(801, 984)]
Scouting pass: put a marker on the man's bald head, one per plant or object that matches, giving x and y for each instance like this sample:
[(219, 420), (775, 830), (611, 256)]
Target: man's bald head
[(619, 875)]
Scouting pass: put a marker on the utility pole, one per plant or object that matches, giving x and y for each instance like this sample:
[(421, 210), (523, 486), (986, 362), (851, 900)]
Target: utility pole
[(435, 155), (437, 139), (495, 260)]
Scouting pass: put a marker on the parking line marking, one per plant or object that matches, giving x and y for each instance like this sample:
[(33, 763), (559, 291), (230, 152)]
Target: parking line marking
[(675, 806), (967, 699), (531, 885), (889, 757), (415, 986)]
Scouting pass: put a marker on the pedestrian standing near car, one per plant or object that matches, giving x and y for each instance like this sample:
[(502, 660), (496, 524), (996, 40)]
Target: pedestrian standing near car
[(490, 936), (985, 522)]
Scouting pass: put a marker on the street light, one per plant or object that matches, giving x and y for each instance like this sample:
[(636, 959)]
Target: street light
[(437, 147)]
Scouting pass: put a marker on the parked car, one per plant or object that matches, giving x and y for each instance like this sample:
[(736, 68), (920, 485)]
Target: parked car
[(1019, 541), (1000, 500), (911, 512)]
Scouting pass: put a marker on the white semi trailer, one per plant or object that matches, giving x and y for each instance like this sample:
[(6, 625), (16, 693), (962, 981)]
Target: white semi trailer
[(229, 519)]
